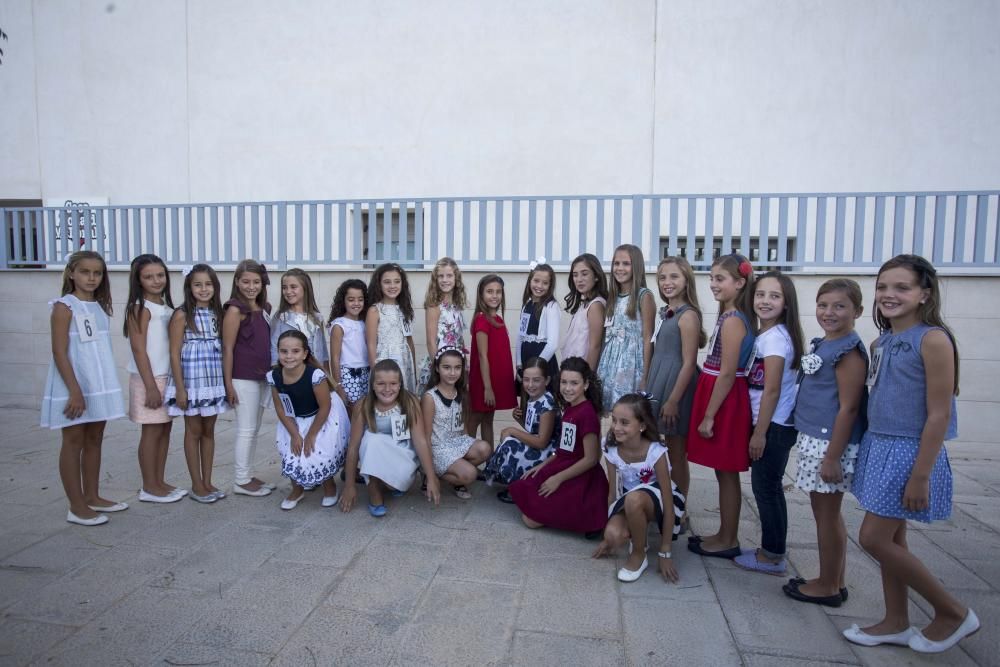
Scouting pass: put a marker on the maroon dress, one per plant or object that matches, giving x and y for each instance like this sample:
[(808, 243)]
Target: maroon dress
[(579, 504), (501, 367)]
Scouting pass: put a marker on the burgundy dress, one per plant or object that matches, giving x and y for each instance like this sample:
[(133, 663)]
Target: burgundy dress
[(501, 367), (579, 504)]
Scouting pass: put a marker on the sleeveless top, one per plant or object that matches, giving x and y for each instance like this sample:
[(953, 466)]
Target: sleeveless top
[(577, 341), (354, 347), (157, 339), (897, 379), (451, 327), (447, 422), (631, 475), (713, 363), (310, 325), (252, 351), (819, 399), (300, 392)]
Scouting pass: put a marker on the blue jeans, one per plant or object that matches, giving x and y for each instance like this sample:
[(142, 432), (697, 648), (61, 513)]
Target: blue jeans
[(766, 478)]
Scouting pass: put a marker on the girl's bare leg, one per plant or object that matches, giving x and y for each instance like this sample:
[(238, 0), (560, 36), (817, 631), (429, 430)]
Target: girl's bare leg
[(831, 535), (91, 465), (149, 457), (70, 470)]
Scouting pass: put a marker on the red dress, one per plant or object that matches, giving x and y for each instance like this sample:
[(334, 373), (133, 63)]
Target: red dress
[(579, 504), (728, 448), (501, 366)]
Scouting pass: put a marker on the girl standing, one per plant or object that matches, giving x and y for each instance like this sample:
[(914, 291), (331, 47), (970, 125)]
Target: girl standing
[(772, 376), (628, 326), (643, 492), (348, 351), (82, 391), (538, 332), (491, 372), (722, 401), (443, 306), (586, 301), (903, 472), (569, 490), (246, 356), (389, 323), (196, 389), (147, 317), (444, 410), (830, 419), (673, 370), (297, 311), (387, 438), (522, 448), (312, 424)]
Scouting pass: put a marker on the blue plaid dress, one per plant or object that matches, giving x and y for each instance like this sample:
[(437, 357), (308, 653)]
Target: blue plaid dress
[(201, 365)]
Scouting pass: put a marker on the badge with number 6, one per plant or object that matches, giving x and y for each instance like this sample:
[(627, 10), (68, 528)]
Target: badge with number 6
[(85, 328)]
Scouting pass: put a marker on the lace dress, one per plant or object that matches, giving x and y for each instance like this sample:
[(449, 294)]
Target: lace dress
[(391, 342)]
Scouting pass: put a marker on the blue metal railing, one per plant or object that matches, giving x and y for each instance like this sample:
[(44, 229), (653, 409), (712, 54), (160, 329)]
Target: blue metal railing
[(957, 230)]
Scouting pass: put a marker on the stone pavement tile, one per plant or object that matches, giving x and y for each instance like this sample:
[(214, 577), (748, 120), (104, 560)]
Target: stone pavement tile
[(984, 646), (694, 584), (759, 616), (461, 623), (226, 556), (765, 660), (952, 572), (93, 588), (16, 540), (333, 635), (987, 569), (662, 632), (542, 648), (412, 519), (140, 626), (983, 508), (283, 584), (185, 653), (17, 583), (64, 551), (878, 656), (561, 544), (573, 596), (256, 628), (970, 482), (23, 641), (330, 538), (475, 558), (181, 525), (388, 576), (967, 538)]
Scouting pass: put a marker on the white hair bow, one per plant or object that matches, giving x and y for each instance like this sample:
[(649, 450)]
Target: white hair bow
[(186, 271), (533, 265)]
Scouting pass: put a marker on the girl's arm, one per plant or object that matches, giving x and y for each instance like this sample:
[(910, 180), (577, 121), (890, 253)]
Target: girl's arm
[(939, 368), (732, 334), (591, 457), (546, 424), (648, 318), (432, 316), (230, 327), (612, 472), (288, 422), (774, 365), (850, 373), (550, 318), (350, 492), (483, 344), (426, 460), (60, 322), (413, 351), (276, 330), (178, 323), (690, 328), (336, 346), (595, 333), (534, 471), (428, 411), (371, 334), (322, 393), (666, 565), (137, 329)]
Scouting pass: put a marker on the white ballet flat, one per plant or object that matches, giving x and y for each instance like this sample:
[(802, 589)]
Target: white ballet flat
[(922, 644), (856, 635), (330, 501), (117, 507), (631, 575), (96, 521)]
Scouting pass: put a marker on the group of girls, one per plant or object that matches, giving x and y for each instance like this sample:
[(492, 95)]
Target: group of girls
[(350, 398)]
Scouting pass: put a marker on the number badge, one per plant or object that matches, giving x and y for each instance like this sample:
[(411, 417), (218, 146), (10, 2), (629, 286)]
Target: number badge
[(567, 439)]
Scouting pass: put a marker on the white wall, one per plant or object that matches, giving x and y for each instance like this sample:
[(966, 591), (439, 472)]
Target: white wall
[(220, 100)]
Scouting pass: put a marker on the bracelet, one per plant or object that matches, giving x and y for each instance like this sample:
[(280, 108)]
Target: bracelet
[(663, 554)]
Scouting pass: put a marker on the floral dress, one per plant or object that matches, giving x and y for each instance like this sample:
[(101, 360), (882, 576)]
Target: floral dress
[(391, 342), (620, 367), (450, 333), (513, 458)]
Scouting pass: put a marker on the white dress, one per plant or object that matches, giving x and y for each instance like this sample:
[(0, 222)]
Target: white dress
[(387, 454), (449, 441), (391, 342)]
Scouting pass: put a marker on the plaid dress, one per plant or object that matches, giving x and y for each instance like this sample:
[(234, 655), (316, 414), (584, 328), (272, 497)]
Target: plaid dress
[(201, 366)]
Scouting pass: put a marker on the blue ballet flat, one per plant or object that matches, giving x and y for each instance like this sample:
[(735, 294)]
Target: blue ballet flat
[(377, 510)]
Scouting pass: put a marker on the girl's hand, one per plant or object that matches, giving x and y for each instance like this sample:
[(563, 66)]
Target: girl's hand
[(75, 405), (490, 398), (670, 414), (603, 549), (549, 486), (433, 490), (181, 399), (916, 495), (757, 443), (830, 471), (231, 396), (667, 569), (532, 472), (348, 496), (153, 397), (507, 432), (309, 445), (296, 444), (706, 426), (517, 414)]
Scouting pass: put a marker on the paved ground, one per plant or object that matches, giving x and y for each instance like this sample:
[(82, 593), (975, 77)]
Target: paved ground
[(243, 583)]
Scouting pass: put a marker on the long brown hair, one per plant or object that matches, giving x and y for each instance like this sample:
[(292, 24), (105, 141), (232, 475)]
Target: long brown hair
[(790, 316), (136, 295), (308, 296), (575, 299), (690, 292), (928, 312), (642, 409), (740, 268), (251, 266), (461, 386), (375, 295), (407, 402), (310, 358), (593, 392), (549, 294), (190, 303), (435, 295), (638, 280), (102, 295), (481, 306)]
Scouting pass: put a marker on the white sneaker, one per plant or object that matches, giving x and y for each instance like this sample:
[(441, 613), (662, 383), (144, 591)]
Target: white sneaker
[(96, 521), (146, 497)]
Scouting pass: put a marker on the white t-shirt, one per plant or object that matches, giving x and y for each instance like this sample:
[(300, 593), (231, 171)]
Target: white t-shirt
[(775, 342)]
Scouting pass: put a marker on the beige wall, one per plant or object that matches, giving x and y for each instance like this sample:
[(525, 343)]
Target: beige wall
[(25, 352)]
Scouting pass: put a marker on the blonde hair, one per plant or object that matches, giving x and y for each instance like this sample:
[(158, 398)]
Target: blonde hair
[(638, 280), (690, 292), (434, 293)]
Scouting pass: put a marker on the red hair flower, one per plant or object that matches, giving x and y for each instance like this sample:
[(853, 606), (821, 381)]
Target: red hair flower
[(745, 269)]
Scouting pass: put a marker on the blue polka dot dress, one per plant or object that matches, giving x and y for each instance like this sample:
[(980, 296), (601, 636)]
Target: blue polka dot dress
[(882, 470)]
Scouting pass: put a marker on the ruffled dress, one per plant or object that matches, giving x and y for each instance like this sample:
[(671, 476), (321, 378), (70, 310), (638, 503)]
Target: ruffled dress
[(201, 366), (620, 366)]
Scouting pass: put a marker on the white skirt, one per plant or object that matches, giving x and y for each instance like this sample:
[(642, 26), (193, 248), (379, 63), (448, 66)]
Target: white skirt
[(393, 462), (329, 453), (811, 453)]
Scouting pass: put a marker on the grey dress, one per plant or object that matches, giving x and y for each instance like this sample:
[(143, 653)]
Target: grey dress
[(664, 368)]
